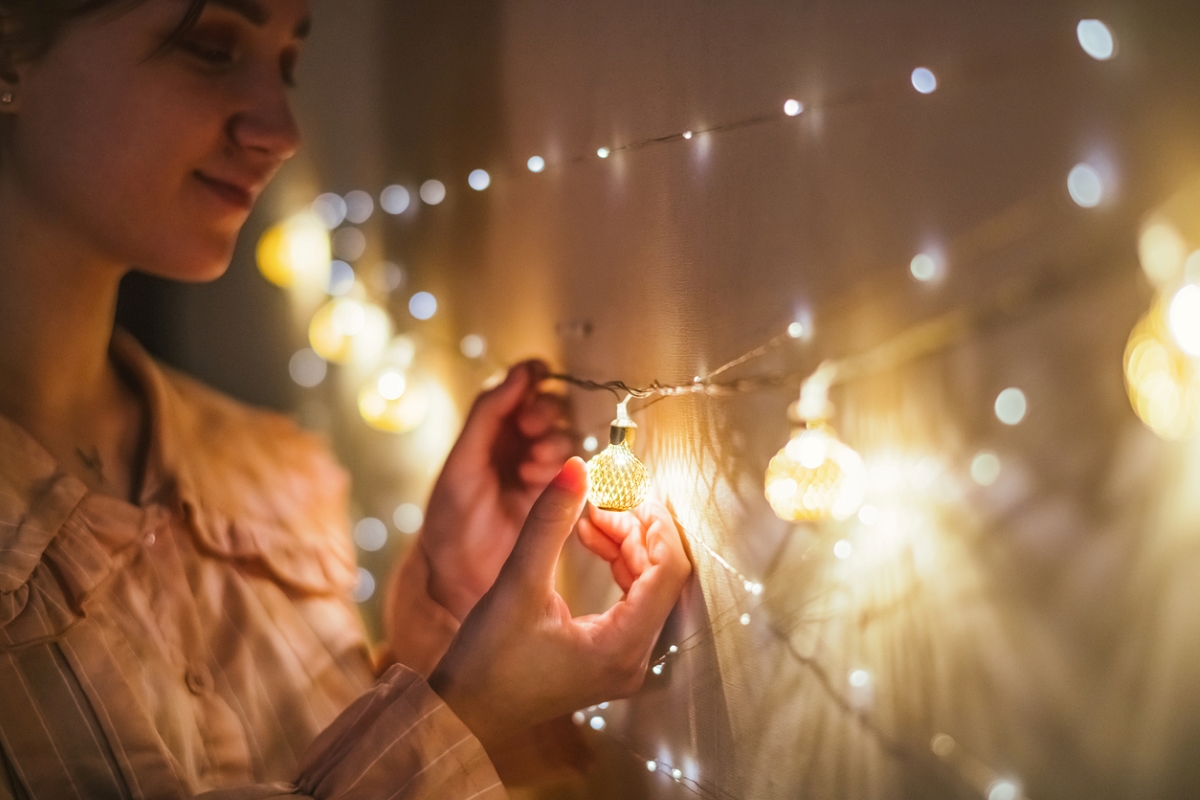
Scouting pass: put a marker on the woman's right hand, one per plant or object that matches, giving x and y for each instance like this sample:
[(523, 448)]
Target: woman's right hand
[(521, 658)]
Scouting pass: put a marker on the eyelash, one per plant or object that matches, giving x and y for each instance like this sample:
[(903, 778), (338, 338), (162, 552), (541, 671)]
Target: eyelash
[(218, 58)]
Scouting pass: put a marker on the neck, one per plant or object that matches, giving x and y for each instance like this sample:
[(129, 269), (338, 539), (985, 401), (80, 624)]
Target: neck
[(56, 316)]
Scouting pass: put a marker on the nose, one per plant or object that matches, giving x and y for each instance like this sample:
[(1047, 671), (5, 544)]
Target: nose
[(264, 123)]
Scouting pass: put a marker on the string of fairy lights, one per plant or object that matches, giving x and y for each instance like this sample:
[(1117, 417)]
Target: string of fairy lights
[(813, 478)]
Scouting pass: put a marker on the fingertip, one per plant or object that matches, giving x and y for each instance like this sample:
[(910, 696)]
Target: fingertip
[(573, 477)]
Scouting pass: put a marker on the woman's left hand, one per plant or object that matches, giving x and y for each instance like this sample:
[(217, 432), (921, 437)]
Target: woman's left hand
[(515, 441)]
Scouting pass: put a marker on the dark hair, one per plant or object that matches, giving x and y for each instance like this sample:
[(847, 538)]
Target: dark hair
[(29, 28)]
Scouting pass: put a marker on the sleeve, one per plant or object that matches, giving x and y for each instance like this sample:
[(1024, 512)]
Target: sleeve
[(419, 628), (399, 741)]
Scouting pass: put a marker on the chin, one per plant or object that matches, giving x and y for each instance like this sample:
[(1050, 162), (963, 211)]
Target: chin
[(201, 263)]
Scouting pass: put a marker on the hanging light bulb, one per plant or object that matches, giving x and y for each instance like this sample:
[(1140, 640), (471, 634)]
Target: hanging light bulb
[(619, 480), (815, 476)]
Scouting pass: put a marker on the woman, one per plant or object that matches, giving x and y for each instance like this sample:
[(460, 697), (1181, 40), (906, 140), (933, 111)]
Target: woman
[(174, 567)]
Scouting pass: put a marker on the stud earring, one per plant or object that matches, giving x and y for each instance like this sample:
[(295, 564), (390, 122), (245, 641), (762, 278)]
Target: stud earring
[(6, 97)]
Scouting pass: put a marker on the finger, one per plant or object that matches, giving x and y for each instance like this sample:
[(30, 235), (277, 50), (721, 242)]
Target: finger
[(637, 620), (530, 567), (622, 575), (544, 413), (616, 525), (596, 541), (492, 408)]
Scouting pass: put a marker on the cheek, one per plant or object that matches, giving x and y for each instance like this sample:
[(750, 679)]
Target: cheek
[(113, 156)]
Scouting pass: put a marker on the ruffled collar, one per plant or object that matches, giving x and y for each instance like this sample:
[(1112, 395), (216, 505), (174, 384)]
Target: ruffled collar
[(250, 486)]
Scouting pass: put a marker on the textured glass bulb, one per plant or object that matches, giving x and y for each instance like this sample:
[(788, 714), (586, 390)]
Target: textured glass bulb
[(815, 477), (619, 480)]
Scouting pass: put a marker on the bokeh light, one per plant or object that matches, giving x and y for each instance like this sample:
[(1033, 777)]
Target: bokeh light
[(390, 277), (536, 163), (1162, 252), (1004, 790), (433, 192), (422, 305), (395, 200), (345, 330), (1096, 39), (923, 80), (985, 468), (296, 253), (603, 152), (359, 207), (349, 244), (401, 413), (479, 180), (1184, 319), (330, 209), (792, 107), (365, 588), (341, 278), (408, 518), (842, 549), (473, 346), (1011, 406), (815, 476), (370, 534), (923, 267), (1162, 379), (1085, 186), (590, 443), (307, 368)]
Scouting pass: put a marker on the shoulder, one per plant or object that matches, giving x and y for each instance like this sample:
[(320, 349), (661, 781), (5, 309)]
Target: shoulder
[(256, 486)]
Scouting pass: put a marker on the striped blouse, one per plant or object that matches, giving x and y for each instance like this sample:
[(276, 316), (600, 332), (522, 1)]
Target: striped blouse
[(202, 642)]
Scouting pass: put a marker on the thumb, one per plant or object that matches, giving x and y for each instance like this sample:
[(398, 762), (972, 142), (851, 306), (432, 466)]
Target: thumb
[(493, 407), (535, 555)]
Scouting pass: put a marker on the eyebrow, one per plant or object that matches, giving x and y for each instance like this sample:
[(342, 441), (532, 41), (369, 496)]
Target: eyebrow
[(257, 14)]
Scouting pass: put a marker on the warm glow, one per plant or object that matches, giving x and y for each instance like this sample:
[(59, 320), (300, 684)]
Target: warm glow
[(1184, 319), (602, 152), (400, 414), (815, 476), (793, 107), (1162, 252), (296, 252), (923, 267), (345, 330), (473, 346), (1162, 379)]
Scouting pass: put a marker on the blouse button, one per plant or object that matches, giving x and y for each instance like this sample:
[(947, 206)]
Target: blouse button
[(198, 679)]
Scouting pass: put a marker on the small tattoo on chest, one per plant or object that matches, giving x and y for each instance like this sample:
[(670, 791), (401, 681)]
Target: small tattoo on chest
[(92, 461)]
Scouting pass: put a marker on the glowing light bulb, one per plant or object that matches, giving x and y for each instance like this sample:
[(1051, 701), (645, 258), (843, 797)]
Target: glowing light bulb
[(843, 549), (603, 152), (687, 134), (296, 252), (792, 107), (345, 330), (923, 80), (815, 476), (619, 480), (923, 267), (652, 766), (536, 163), (796, 330), (391, 385), (596, 723), (657, 669), (1004, 790), (859, 678), (744, 619)]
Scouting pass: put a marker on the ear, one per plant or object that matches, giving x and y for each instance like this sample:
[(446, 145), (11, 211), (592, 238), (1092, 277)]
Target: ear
[(10, 66)]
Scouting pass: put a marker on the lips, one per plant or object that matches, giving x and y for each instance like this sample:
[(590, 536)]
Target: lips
[(232, 194)]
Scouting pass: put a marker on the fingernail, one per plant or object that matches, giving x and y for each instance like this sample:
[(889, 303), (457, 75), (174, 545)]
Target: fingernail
[(573, 476)]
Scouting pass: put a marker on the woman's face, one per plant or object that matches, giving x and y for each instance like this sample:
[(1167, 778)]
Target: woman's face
[(155, 160)]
